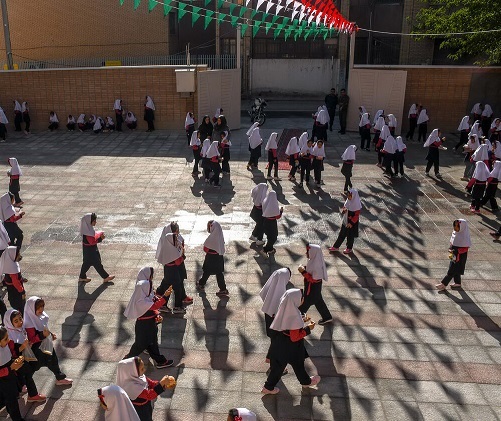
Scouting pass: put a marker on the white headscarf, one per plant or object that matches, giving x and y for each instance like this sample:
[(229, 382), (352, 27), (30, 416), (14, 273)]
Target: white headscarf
[(16, 169), (379, 124), (412, 110), (81, 119), (462, 237), (149, 103), (5, 355), (272, 142), (270, 205), (390, 145), (215, 240), (350, 153), (400, 144), (24, 107), (141, 300), (117, 105), (496, 124), (188, 120), (364, 120), (71, 119), (432, 138), (194, 140), (130, 118), (316, 263), (481, 153), (303, 140), (53, 118), (17, 106), (109, 121), (473, 145), (120, 408), (3, 117), (6, 208), (379, 113), (213, 150), (4, 237), (8, 264), (97, 124), (259, 193), (169, 249), (487, 111), (205, 147), (17, 335), (85, 226), (246, 415), (423, 116), (322, 117), (481, 172), (128, 378), (476, 109), (355, 203), (292, 147), (288, 316), (305, 148), (273, 290), (496, 170), (392, 121), (475, 129), (218, 113), (30, 317), (318, 151), (255, 138), (464, 125), (364, 110), (385, 132), (251, 128)]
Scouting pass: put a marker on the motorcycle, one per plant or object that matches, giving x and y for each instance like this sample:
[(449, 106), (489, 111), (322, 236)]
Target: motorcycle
[(256, 112)]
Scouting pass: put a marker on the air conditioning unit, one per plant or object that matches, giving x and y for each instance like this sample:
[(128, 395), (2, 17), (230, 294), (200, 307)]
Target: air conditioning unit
[(185, 80)]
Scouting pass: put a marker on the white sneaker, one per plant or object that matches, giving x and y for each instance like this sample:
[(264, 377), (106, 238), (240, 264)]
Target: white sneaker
[(277, 179)]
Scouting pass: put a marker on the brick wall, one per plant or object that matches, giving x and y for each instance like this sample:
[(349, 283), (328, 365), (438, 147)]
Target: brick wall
[(93, 91)]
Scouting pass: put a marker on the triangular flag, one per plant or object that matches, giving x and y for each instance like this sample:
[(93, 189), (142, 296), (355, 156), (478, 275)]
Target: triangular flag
[(208, 18), (136, 4), (167, 7), (310, 18), (195, 14), (232, 8), (151, 5), (220, 4), (234, 20), (259, 3), (122, 2), (247, 2), (181, 12), (276, 32), (244, 28), (267, 25), (254, 13), (255, 28), (294, 13), (269, 5), (221, 17), (242, 11), (278, 9), (206, 3)]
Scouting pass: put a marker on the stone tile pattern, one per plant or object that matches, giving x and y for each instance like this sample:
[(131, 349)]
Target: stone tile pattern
[(396, 350)]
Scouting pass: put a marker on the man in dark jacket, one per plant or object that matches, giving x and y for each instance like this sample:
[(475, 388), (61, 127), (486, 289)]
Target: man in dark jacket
[(343, 110), (331, 104)]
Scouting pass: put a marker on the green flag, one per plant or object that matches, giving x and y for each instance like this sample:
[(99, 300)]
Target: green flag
[(220, 4), (276, 32), (267, 26), (208, 17), (181, 10), (151, 5), (167, 7), (122, 2), (243, 9), (195, 14), (232, 8), (244, 28), (254, 13), (207, 2), (255, 28), (285, 21), (221, 17), (274, 18), (136, 4), (234, 20)]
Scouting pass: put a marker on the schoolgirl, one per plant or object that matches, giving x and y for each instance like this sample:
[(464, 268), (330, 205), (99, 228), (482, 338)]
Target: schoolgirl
[(141, 389), (36, 323), (422, 123), (481, 154), (8, 379), (486, 118), (361, 111), (258, 194), (348, 157), (81, 123), (303, 140), (272, 148), (314, 128), (18, 116), (214, 259), (13, 280), (53, 121), (205, 129), (492, 187), (10, 218), (292, 151), (314, 274), (476, 129), (392, 124), (224, 145), (71, 123), (477, 185), (220, 127), (378, 126), (349, 228), (149, 114), (412, 115), (3, 127), (189, 125), (318, 156), (110, 124), (321, 125), (271, 214), (383, 136), (389, 150), (255, 142), (26, 117), (116, 404), (271, 293), (433, 143), (463, 129), (206, 166), (91, 255), (364, 128), (14, 174), (287, 345), (4, 239), (98, 125), (144, 308), (131, 121), (495, 130), (399, 157), (195, 146), (477, 110), (219, 111), (460, 242), (469, 149), (18, 344), (117, 107), (241, 414), (213, 156), (305, 162)]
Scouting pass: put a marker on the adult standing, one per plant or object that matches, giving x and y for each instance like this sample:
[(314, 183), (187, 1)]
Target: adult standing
[(205, 128), (119, 114), (331, 101), (149, 115), (220, 127), (344, 100), (26, 116)]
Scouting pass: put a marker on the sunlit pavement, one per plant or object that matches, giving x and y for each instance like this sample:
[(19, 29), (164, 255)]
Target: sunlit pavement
[(397, 349)]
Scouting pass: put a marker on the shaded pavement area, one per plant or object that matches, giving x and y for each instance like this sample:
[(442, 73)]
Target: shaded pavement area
[(396, 350)]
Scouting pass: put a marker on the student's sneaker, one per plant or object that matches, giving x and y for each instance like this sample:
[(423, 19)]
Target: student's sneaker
[(265, 391), (167, 363), (187, 301), (260, 243), (37, 398), (437, 174), (249, 167), (64, 382), (325, 321), (440, 286), (109, 279), (272, 251), (427, 173), (199, 286), (84, 279), (252, 238), (477, 211), (456, 286), (269, 177), (223, 293), (178, 310), (347, 251), (314, 381), (165, 309), (277, 179)]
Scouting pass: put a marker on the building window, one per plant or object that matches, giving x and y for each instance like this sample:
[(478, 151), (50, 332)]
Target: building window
[(300, 49), (229, 46), (172, 23)]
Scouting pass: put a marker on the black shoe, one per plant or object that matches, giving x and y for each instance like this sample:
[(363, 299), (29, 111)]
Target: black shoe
[(167, 363), (325, 321), (165, 309)]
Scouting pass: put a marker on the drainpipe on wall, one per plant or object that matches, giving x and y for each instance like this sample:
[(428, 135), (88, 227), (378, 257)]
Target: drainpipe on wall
[(6, 32)]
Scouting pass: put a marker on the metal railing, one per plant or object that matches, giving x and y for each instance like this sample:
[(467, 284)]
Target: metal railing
[(215, 62)]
